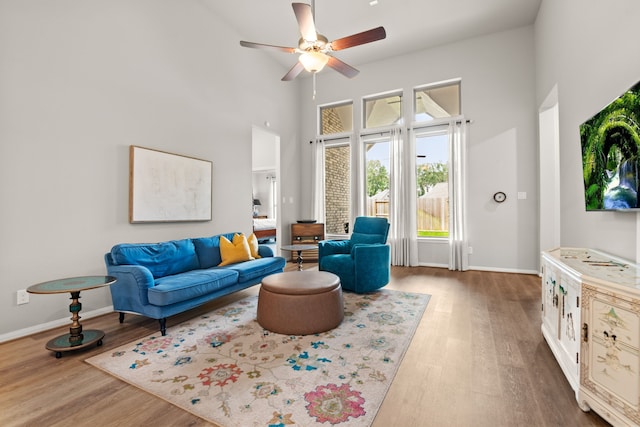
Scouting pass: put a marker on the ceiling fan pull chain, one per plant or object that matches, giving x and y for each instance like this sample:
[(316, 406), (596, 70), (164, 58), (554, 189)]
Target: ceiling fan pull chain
[(314, 86)]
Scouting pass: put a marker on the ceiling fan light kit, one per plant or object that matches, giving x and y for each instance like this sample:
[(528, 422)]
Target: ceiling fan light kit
[(313, 61), (315, 49)]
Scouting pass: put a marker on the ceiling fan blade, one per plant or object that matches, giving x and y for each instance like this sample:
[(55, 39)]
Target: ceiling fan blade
[(342, 67), (305, 21), (358, 39), (293, 72), (267, 46)]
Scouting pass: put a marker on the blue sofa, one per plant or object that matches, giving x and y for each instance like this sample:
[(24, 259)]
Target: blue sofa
[(159, 280)]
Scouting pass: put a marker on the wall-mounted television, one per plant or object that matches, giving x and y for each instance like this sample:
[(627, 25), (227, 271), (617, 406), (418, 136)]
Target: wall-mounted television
[(610, 147)]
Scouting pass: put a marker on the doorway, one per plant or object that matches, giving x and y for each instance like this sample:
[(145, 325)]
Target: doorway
[(266, 184)]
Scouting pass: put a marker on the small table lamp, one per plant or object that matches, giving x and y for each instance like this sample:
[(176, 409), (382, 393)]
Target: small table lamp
[(256, 203)]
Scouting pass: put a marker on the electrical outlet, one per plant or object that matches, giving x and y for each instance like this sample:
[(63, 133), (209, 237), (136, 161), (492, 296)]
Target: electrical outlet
[(22, 297), (470, 250)]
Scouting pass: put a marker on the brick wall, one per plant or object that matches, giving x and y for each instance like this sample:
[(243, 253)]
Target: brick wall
[(337, 191)]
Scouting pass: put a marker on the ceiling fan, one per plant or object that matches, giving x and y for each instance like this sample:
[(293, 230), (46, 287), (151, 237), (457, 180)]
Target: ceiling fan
[(315, 49)]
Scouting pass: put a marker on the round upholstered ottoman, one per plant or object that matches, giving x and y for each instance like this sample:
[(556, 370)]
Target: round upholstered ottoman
[(300, 302)]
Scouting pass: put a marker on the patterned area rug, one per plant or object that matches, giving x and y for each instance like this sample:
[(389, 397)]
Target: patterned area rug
[(225, 368)]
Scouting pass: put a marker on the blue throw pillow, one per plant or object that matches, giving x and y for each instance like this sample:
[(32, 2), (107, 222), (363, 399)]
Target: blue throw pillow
[(208, 249), (162, 259)]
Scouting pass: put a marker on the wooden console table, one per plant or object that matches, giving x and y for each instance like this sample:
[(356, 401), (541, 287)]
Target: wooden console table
[(307, 234), (591, 321), (76, 338)]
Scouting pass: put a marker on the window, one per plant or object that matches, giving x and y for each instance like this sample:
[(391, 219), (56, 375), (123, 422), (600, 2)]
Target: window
[(383, 137), (377, 176), (436, 101), (432, 182), (379, 111), (337, 118), (382, 111), (337, 184)]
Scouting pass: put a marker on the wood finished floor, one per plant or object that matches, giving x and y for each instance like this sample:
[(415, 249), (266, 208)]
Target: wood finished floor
[(478, 358)]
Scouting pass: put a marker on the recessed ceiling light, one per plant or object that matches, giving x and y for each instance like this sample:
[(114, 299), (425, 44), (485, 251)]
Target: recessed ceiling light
[(373, 2)]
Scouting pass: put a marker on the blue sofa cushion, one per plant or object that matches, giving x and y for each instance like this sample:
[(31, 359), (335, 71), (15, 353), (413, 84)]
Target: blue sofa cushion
[(208, 249), (256, 269), (191, 284), (162, 259)]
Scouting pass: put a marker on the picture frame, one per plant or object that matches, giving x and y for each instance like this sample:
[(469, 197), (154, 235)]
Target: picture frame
[(167, 187)]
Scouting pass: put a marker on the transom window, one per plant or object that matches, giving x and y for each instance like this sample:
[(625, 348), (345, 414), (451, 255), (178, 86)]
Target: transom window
[(382, 111), (437, 101), (337, 118)]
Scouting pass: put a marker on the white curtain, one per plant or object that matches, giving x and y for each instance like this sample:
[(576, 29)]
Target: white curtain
[(402, 234), (273, 187), (458, 255), (318, 182)]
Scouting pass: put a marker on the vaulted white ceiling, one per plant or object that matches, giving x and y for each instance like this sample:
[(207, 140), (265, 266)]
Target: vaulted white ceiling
[(411, 25)]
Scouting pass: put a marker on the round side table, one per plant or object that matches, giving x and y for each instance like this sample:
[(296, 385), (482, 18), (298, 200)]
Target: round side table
[(76, 338), (299, 249)]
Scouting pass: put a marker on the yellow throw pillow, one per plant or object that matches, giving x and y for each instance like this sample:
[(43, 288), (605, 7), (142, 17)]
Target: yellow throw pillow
[(253, 245), (236, 251)]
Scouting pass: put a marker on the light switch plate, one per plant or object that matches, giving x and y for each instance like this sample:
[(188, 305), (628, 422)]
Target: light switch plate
[(22, 297)]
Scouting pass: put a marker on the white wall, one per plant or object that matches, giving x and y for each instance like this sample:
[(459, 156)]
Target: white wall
[(589, 49), (498, 94), (264, 153), (81, 81)]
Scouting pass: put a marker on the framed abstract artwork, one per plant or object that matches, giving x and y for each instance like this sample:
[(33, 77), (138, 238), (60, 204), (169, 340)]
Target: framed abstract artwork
[(166, 187)]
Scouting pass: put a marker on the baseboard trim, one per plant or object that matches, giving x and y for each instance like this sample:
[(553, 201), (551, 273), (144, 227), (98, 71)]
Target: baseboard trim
[(20, 333), (480, 268), (431, 264), (503, 270)]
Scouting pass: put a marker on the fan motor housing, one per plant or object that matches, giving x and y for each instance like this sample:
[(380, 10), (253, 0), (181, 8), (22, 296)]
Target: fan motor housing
[(316, 45)]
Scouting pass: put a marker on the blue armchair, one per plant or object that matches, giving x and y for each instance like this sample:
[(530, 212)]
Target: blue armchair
[(363, 263)]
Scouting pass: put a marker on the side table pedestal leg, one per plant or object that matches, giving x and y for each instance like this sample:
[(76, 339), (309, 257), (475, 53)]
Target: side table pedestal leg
[(299, 260), (76, 338)]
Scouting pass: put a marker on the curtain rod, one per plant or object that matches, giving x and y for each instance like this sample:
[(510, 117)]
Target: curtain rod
[(423, 125), (387, 129)]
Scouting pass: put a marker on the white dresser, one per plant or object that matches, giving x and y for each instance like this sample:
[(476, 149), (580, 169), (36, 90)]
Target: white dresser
[(591, 321)]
